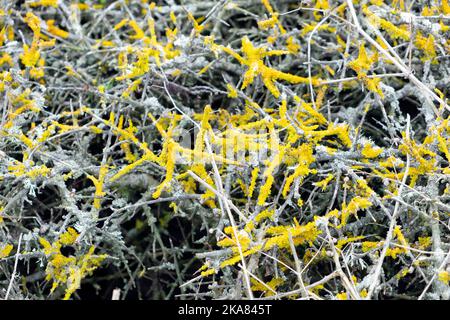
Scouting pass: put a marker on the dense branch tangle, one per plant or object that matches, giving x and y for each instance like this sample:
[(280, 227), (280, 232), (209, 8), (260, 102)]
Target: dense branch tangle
[(311, 160)]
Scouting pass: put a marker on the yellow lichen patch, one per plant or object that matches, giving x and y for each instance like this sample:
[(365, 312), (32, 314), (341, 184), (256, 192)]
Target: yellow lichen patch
[(445, 7), (424, 158), (292, 46), (170, 168), (342, 242), (208, 272), (391, 29), (6, 59), (363, 63), (68, 270), (236, 122), (98, 184), (54, 30), (69, 237), (426, 44), (402, 273), (253, 60), (444, 277), (321, 5), (5, 250), (355, 204), (197, 26), (266, 214), (300, 235), (45, 3), (30, 55), (273, 20), (232, 93), (302, 169), (243, 240), (268, 288), (235, 259), (390, 252), (369, 152), (121, 24), (341, 296), (139, 33), (311, 26), (324, 183), (424, 242), (373, 84)]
